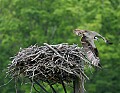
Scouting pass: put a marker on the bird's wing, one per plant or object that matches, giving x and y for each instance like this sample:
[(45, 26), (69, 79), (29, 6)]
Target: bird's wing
[(91, 52)]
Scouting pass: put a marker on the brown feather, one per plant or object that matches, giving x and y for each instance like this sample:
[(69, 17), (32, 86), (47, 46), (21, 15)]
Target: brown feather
[(91, 52)]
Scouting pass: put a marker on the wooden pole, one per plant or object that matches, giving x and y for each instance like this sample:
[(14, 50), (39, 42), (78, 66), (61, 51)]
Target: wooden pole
[(78, 85)]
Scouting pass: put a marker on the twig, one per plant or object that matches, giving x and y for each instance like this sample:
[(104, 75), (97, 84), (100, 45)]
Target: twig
[(7, 82), (36, 89), (51, 87), (63, 85), (41, 87), (55, 51)]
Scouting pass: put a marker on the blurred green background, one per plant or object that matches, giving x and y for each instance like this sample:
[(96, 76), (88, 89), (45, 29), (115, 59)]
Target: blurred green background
[(27, 22)]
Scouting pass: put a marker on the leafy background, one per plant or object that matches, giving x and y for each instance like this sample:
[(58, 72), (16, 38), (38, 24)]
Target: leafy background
[(27, 22)]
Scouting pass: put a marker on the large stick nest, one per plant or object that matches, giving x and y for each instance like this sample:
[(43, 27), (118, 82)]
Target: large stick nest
[(49, 63)]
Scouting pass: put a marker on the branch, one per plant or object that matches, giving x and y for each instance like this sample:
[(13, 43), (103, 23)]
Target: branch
[(51, 87), (41, 86), (63, 85)]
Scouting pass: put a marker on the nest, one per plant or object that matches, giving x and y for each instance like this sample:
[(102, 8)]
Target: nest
[(49, 63)]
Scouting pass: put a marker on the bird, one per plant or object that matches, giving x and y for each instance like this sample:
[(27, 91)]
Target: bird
[(87, 41)]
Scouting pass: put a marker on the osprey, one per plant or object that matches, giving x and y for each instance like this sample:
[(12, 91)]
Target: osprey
[(89, 47)]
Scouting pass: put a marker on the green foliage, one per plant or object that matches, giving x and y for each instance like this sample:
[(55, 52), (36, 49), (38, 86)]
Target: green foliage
[(27, 22)]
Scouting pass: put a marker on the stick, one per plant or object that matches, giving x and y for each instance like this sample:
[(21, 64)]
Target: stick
[(52, 49), (51, 87), (36, 89), (41, 86), (56, 52), (63, 85)]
